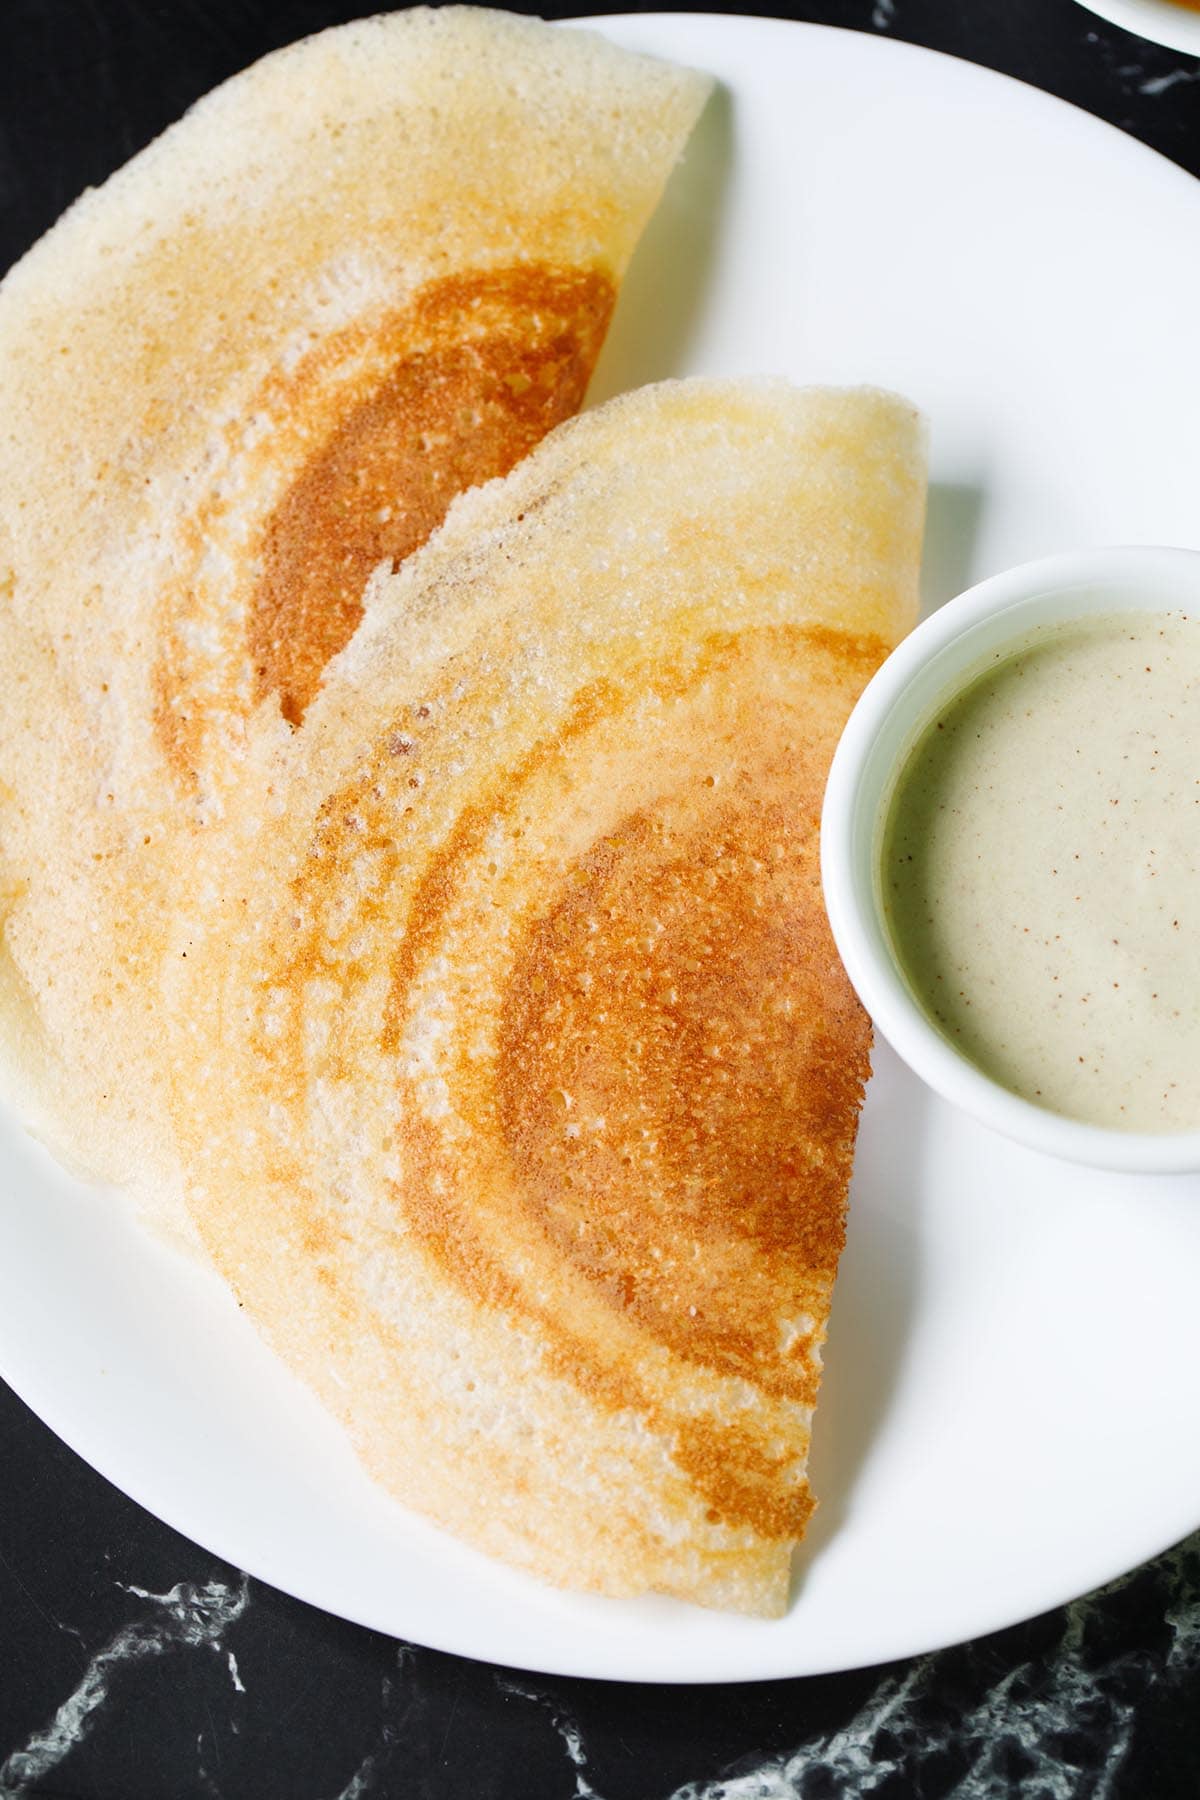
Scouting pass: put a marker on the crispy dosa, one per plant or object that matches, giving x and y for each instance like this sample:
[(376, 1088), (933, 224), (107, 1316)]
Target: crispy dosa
[(515, 1067), (367, 273)]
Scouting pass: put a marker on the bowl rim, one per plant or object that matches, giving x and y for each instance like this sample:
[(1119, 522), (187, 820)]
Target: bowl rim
[(1158, 21), (894, 703)]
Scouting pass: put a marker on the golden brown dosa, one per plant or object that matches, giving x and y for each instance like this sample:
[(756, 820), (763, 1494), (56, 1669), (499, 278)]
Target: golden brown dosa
[(370, 271), (514, 1063)]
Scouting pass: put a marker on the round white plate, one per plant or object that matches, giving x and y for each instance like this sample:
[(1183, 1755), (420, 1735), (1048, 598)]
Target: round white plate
[(1162, 21), (1013, 1371)]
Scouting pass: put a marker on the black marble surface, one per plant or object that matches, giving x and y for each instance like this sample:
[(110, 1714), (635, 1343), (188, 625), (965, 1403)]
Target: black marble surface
[(135, 1666)]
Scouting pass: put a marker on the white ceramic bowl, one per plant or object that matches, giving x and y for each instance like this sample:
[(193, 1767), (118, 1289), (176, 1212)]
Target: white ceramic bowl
[(1162, 21), (927, 668)]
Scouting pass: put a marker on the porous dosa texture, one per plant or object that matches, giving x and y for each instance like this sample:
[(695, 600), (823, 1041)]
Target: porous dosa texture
[(370, 271), (517, 1072)]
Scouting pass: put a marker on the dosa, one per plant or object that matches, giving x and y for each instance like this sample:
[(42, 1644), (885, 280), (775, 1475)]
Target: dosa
[(371, 271), (514, 1064)]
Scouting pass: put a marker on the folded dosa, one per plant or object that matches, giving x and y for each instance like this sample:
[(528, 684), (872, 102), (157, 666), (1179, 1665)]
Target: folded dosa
[(368, 272), (515, 1066)]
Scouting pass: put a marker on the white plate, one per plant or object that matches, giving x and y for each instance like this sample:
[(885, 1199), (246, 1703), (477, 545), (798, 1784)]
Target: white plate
[(1162, 21), (1010, 1411)]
